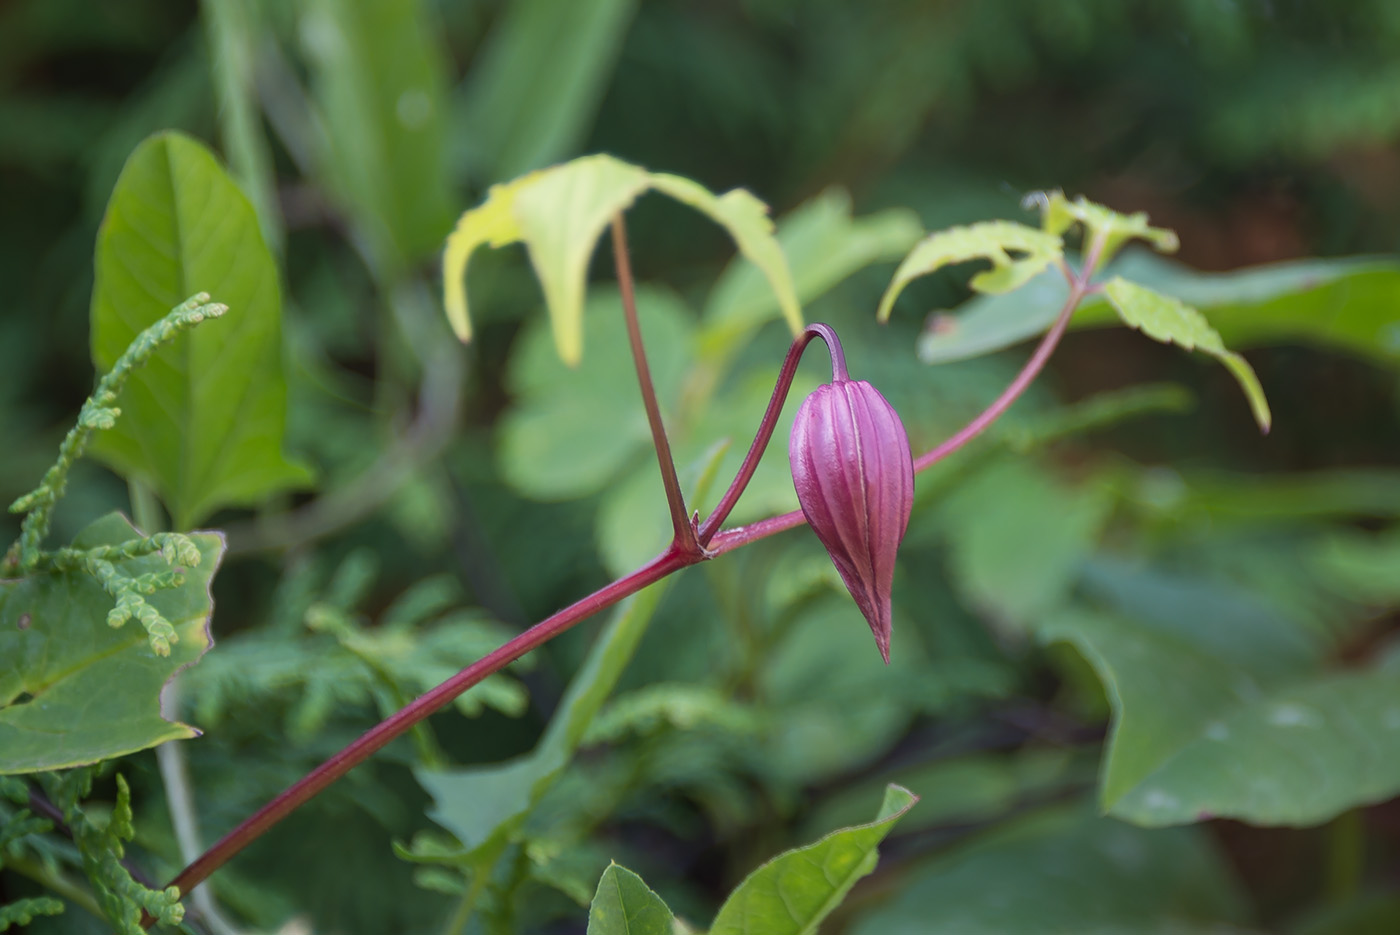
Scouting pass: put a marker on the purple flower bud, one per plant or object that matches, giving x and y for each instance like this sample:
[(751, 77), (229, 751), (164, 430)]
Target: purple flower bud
[(855, 480)]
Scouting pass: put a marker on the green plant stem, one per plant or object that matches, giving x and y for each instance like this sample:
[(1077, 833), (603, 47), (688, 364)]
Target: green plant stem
[(682, 532), (667, 563)]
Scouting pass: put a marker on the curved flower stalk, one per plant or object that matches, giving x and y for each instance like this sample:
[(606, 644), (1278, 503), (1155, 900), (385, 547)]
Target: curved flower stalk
[(854, 476)]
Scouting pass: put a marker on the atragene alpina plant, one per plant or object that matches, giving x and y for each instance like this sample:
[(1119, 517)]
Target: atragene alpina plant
[(855, 480), (851, 463)]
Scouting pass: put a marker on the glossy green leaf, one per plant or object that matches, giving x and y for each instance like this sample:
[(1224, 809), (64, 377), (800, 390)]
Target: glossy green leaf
[(1171, 321), (1063, 871), (824, 244), (792, 893), (74, 690), (379, 76), (996, 241), (624, 905), (1200, 734), (1344, 303), (479, 804), (560, 212), (202, 422), (531, 92)]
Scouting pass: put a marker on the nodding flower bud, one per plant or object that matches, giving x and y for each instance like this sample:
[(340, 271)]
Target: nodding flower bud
[(855, 480)]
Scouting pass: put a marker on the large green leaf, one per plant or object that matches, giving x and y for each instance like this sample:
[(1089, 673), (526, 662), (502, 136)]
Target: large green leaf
[(624, 905), (531, 93), (379, 79), (74, 690), (478, 804), (792, 893), (1348, 304), (202, 422), (1200, 731), (1171, 321), (560, 212), (1063, 872)]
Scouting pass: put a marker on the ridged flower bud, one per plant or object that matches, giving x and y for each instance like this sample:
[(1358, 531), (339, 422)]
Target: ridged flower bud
[(854, 476)]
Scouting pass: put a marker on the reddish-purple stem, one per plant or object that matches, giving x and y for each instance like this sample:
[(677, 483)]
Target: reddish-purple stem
[(683, 532), (770, 420), (376, 737), (676, 557)]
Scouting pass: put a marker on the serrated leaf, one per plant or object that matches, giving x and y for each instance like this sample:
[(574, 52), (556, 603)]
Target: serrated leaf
[(791, 894), (532, 90), (1198, 733), (1171, 321), (624, 905), (1103, 225), (988, 240), (379, 80), (202, 422), (560, 212), (824, 244), (1064, 871), (74, 690)]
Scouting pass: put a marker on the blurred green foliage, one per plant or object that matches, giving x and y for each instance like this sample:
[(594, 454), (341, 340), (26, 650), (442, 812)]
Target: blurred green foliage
[(1112, 577)]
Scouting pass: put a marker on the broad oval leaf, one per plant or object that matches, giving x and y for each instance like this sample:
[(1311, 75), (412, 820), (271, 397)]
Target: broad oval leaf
[(792, 893), (1171, 321), (1199, 733), (74, 690), (202, 422), (560, 212), (990, 240), (1064, 871), (624, 905), (1344, 303)]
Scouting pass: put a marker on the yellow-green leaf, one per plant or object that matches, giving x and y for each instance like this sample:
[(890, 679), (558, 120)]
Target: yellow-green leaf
[(1171, 321), (559, 213), (746, 218), (996, 241), (1099, 222)]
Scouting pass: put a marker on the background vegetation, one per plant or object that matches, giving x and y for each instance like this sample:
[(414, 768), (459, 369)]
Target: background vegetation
[(1126, 544)]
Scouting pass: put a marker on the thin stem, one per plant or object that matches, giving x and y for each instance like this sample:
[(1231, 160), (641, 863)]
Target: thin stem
[(683, 533), (296, 795), (1017, 386), (710, 527)]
